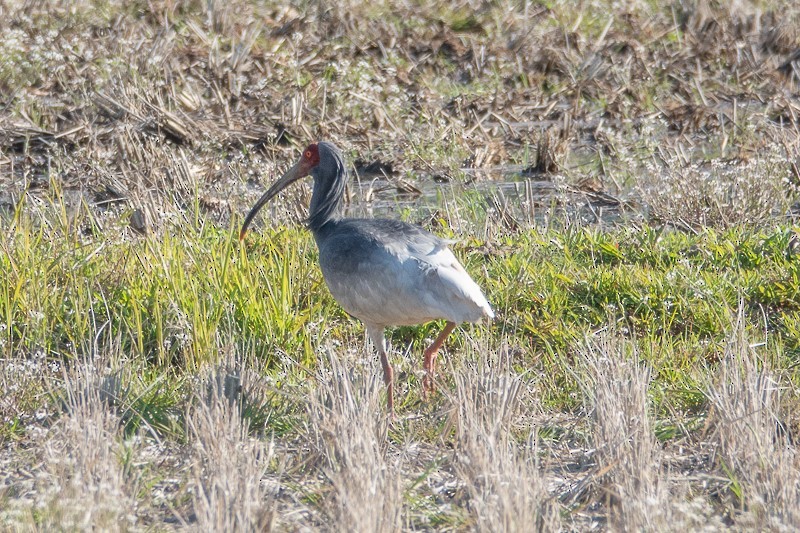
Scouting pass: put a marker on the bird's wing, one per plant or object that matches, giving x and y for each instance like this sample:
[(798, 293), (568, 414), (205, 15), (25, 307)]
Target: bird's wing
[(465, 299), (397, 274)]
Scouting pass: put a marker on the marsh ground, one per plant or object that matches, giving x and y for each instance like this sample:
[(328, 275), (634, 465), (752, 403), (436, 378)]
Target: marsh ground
[(622, 179)]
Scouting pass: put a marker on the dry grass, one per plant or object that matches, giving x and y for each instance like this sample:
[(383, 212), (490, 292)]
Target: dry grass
[(623, 433), (229, 486), (630, 475), (172, 107), (81, 480), (347, 430), (718, 193), (755, 448), (501, 468)]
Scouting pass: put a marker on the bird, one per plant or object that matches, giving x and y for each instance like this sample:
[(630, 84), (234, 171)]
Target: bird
[(383, 272)]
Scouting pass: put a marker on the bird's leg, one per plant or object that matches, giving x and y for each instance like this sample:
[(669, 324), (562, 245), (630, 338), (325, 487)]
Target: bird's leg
[(388, 378), (378, 339), (429, 362)]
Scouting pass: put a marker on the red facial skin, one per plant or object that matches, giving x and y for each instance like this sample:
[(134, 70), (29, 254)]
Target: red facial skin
[(310, 158)]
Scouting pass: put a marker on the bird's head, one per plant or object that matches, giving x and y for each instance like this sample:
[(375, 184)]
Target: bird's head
[(321, 160)]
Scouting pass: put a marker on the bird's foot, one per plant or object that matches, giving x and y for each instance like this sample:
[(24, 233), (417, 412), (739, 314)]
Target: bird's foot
[(428, 386)]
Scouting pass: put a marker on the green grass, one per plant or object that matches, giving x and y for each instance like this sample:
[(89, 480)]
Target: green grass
[(176, 303), (166, 300)]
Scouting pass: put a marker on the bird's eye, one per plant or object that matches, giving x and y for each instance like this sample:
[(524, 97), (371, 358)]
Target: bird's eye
[(308, 154)]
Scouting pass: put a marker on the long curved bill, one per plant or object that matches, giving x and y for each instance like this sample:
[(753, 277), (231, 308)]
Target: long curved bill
[(293, 174)]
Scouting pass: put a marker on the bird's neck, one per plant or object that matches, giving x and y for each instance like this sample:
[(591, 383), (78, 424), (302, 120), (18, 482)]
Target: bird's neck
[(322, 232), (326, 202)]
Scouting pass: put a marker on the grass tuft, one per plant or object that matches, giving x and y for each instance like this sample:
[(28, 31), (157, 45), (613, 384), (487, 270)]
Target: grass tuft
[(81, 481), (755, 449), (347, 429), (228, 487), (631, 475), (503, 477)]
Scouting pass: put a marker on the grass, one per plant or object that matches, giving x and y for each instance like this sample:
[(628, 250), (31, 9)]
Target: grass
[(167, 312), (622, 182)]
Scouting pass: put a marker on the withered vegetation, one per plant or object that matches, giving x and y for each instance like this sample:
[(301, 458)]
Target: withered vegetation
[(624, 177)]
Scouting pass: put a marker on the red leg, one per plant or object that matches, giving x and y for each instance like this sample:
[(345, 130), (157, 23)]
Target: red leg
[(388, 378), (429, 363)]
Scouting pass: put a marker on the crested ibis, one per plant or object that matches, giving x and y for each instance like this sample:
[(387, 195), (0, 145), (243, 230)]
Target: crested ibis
[(383, 272)]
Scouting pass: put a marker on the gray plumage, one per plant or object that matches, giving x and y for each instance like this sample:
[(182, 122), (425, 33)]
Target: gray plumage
[(383, 272), (390, 273)]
